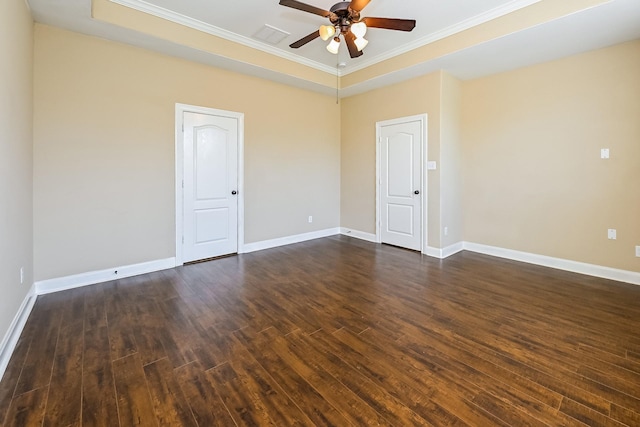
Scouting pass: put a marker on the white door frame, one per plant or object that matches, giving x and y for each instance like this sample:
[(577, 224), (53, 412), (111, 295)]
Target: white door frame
[(179, 155), (422, 118)]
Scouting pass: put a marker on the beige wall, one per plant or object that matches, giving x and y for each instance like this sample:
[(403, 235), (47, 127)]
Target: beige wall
[(104, 152), (440, 96), (451, 161), (16, 107), (525, 142), (358, 162), (533, 177)]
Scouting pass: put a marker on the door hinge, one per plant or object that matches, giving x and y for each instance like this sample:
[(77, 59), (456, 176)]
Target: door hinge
[(183, 183), (183, 127), (183, 240)]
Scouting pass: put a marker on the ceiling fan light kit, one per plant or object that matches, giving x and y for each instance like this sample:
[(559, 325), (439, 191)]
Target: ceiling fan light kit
[(327, 31), (359, 29), (345, 21), (334, 45), (361, 42)]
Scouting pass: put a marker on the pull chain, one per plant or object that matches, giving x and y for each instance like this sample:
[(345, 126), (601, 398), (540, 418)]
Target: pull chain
[(337, 81)]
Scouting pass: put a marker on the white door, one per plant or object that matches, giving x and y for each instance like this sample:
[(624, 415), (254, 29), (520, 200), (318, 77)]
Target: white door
[(400, 184), (210, 226)]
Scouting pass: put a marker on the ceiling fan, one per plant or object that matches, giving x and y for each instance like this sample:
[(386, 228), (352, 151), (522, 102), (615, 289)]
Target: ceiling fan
[(345, 20)]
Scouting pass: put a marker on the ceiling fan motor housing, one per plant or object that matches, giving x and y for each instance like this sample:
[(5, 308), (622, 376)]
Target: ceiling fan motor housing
[(342, 16)]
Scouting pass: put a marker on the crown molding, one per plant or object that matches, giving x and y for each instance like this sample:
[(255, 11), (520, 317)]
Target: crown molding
[(160, 12), (444, 33)]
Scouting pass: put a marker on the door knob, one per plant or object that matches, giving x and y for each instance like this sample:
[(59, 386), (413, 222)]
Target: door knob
[(416, 192), (234, 192)]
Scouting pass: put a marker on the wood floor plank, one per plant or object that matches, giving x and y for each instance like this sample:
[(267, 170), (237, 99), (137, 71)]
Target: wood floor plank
[(205, 402), (319, 411), (266, 393), (625, 415), (362, 384), (147, 332), (73, 308), (349, 404), (587, 415), (244, 408), (419, 375), (11, 375), (64, 403), (333, 332), (99, 405), (95, 313), (169, 403), (120, 324), (27, 409), (36, 371), (620, 364), (134, 401)]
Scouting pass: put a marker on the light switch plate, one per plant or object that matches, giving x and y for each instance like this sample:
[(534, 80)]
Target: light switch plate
[(431, 165), (611, 233), (604, 153)]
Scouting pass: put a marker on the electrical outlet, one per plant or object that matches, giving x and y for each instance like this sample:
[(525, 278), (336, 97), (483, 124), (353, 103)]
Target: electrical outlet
[(310, 219), (22, 275), (638, 251), (611, 234)]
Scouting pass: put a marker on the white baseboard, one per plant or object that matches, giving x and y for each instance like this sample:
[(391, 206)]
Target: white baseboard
[(432, 252), (282, 241), (444, 252), (369, 237), (559, 263), (90, 278), (10, 340), (452, 249)]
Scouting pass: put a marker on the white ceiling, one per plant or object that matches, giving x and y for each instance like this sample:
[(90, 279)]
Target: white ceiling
[(240, 20)]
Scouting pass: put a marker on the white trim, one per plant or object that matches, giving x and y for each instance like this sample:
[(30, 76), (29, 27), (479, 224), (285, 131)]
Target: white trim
[(558, 263), (423, 119), (432, 252), (187, 21), (369, 237), (452, 249), (92, 277), (179, 171), (444, 252), (12, 336), (282, 241)]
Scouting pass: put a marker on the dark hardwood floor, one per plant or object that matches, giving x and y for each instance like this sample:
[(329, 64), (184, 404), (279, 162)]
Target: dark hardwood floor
[(336, 332)]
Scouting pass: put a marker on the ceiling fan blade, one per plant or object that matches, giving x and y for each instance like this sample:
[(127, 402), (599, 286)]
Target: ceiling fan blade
[(358, 5), (391, 23), (349, 38), (305, 7), (305, 39)]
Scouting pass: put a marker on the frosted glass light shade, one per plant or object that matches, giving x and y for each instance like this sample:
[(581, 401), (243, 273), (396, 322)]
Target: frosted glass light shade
[(359, 29), (327, 31), (360, 43), (334, 45)]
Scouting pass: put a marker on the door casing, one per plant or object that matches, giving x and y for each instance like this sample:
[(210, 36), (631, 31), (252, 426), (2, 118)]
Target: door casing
[(422, 118), (179, 172)]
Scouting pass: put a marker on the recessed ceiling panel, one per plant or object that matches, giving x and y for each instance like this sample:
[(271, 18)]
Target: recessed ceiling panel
[(245, 18)]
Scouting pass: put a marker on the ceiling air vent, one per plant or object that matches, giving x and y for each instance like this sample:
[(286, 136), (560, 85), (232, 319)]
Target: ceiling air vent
[(271, 35)]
